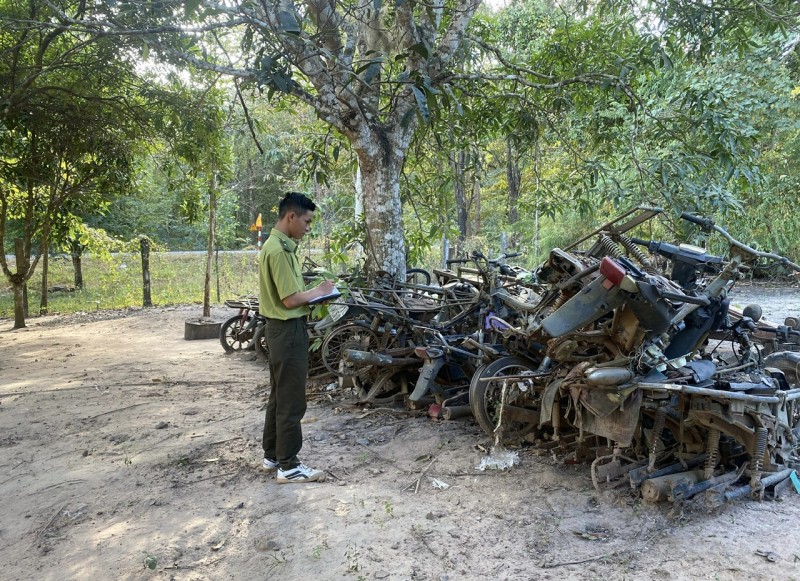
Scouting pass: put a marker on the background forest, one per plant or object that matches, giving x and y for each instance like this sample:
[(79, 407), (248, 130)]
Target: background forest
[(511, 125)]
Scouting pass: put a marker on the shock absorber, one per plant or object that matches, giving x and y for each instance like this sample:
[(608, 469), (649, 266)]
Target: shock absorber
[(658, 429), (712, 454), (610, 246), (637, 253), (756, 462), (562, 298)]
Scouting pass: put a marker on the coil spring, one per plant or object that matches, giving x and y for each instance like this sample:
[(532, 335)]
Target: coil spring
[(560, 300), (610, 246), (658, 429), (712, 454), (637, 253), (757, 460)]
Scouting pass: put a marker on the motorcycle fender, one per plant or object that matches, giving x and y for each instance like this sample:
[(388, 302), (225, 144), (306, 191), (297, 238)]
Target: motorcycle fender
[(584, 308), (426, 381), (548, 401)]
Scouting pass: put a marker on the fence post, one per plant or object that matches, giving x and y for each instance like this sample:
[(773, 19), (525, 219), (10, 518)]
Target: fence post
[(145, 244), (22, 259)]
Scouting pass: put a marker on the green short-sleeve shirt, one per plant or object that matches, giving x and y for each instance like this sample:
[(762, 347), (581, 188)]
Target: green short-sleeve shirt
[(279, 276)]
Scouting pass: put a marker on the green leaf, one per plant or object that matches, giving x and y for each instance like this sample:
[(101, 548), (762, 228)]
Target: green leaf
[(190, 7), (422, 103)]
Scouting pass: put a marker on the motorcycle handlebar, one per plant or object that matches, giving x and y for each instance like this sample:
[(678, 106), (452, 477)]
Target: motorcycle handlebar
[(708, 224), (782, 329), (705, 223)]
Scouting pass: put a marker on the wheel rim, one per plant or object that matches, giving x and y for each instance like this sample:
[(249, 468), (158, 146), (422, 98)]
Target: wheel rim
[(237, 335), (260, 342), (347, 337), (486, 397)]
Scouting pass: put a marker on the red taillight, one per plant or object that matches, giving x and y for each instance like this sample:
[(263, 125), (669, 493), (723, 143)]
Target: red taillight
[(612, 271)]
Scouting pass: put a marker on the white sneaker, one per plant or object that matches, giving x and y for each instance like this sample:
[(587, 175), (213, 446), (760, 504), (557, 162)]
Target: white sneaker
[(301, 473), (269, 465)]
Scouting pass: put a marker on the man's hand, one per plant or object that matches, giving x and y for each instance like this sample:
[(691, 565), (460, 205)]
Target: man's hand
[(324, 288), (302, 298)]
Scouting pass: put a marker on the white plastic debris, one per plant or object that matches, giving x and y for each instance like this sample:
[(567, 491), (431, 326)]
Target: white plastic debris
[(498, 459), (439, 484)]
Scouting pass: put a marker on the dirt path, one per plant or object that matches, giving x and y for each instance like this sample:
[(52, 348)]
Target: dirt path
[(125, 446)]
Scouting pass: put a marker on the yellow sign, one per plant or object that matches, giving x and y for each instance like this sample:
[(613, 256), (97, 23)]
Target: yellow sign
[(258, 222)]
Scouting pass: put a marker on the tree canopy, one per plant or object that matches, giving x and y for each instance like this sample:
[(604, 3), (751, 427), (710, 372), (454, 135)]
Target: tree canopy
[(454, 119)]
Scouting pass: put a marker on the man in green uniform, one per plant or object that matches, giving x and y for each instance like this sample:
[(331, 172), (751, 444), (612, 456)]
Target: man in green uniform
[(283, 300)]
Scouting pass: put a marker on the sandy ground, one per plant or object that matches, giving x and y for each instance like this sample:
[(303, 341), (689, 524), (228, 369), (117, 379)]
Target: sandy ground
[(130, 453)]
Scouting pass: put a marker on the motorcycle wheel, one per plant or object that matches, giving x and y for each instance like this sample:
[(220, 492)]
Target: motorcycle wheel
[(236, 333), (788, 362), (260, 342), (350, 336), (418, 276), (485, 397)]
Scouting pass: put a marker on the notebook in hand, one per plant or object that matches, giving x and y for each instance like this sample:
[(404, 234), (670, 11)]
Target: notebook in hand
[(334, 294)]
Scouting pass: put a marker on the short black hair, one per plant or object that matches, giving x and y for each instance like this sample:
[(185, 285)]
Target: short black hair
[(295, 202)]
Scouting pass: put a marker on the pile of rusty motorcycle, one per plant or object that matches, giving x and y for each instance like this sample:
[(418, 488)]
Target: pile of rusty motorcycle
[(654, 379), (419, 343)]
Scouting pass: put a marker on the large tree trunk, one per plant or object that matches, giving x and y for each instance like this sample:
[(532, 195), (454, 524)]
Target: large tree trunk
[(383, 212), (19, 305)]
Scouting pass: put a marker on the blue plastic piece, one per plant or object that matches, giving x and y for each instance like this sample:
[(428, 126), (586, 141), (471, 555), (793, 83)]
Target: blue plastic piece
[(795, 481)]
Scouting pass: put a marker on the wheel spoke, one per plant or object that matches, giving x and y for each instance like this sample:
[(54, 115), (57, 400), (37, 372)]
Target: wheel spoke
[(514, 400), (352, 336)]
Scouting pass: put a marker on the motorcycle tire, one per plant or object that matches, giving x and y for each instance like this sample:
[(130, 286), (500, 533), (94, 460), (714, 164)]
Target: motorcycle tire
[(236, 333), (418, 276), (788, 362), (260, 342), (349, 336), (484, 396)]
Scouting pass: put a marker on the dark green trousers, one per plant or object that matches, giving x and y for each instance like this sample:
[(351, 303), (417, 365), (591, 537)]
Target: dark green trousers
[(288, 369)]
